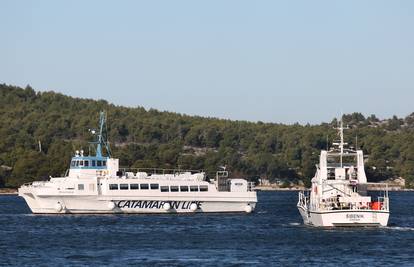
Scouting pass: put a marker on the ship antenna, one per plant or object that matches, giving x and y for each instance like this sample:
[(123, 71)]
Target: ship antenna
[(342, 143), (103, 133), (356, 142)]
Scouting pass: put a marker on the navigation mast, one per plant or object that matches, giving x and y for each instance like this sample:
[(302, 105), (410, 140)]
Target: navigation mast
[(102, 136), (342, 144)]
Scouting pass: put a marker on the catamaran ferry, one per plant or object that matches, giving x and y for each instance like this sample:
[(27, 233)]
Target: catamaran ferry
[(339, 195), (96, 184)]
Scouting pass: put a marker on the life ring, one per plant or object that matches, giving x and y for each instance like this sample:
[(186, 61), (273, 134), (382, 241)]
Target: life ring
[(111, 205), (193, 207), (166, 206), (248, 209), (58, 207)]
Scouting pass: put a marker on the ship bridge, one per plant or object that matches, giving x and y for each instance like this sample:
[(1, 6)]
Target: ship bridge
[(92, 166), (89, 162), (82, 166)]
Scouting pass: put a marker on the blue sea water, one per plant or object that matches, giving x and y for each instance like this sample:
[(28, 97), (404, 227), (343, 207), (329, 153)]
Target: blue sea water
[(272, 236)]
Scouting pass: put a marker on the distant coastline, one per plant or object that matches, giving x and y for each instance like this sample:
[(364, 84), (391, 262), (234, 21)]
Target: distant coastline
[(299, 188), (8, 191), (276, 188), (12, 191)]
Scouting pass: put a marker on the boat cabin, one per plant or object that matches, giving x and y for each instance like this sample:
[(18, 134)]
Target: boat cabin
[(84, 166), (347, 166)]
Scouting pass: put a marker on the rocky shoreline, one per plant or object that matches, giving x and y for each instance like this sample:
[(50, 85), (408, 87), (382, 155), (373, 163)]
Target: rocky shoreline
[(8, 191), (12, 191), (298, 188)]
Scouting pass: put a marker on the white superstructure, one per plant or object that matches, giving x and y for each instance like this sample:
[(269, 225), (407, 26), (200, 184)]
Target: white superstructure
[(96, 184), (339, 195)]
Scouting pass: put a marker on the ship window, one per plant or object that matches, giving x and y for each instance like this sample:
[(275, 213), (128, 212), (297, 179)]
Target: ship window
[(174, 188), (113, 187), (86, 163), (93, 163), (73, 163), (133, 186), (99, 163), (77, 163), (194, 188), (165, 189), (203, 188), (184, 188), (104, 163), (144, 186), (154, 186), (81, 187), (81, 163), (123, 186)]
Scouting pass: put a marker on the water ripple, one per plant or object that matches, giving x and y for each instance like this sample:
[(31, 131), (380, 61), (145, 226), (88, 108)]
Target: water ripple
[(273, 235)]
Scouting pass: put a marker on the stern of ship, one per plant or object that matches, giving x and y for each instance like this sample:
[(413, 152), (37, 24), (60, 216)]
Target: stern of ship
[(341, 218)]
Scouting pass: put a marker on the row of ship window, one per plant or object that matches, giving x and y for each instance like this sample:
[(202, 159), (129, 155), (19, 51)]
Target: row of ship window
[(87, 163), (172, 188)]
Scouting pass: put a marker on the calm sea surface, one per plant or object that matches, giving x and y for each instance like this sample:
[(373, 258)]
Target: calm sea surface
[(273, 235)]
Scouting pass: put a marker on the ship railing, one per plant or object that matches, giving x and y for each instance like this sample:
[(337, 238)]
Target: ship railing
[(250, 186), (35, 184), (378, 203), (303, 199), (159, 171), (384, 203)]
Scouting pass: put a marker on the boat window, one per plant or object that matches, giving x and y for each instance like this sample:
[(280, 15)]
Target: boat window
[(73, 163), (174, 188), (203, 188), (104, 163), (194, 188), (123, 186), (184, 188), (154, 186), (93, 163), (133, 186), (81, 187), (86, 163), (81, 163), (144, 186), (113, 187), (99, 163), (77, 163), (165, 189)]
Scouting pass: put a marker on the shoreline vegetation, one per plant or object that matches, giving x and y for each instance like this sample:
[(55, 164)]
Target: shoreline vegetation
[(41, 130), (271, 188), (9, 191)]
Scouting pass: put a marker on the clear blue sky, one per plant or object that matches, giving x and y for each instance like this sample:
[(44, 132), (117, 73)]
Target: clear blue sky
[(278, 61)]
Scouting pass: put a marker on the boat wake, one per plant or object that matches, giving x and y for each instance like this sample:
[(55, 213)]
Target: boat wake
[(400, 228)]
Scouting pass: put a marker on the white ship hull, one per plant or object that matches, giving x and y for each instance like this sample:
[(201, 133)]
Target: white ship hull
[(138, 204), (95, 184), (345, 218), (339, 195)]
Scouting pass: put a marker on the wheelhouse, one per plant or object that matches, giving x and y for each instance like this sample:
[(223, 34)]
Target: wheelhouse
[(89, 162)]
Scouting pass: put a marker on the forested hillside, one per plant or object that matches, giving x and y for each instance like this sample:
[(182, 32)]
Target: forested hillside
[(150, 138)]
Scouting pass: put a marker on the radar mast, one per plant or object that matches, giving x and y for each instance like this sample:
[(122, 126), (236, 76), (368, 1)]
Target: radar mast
[(102, 138)]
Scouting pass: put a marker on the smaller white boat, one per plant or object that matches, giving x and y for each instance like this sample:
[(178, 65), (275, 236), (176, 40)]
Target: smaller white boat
[(339, 195)]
